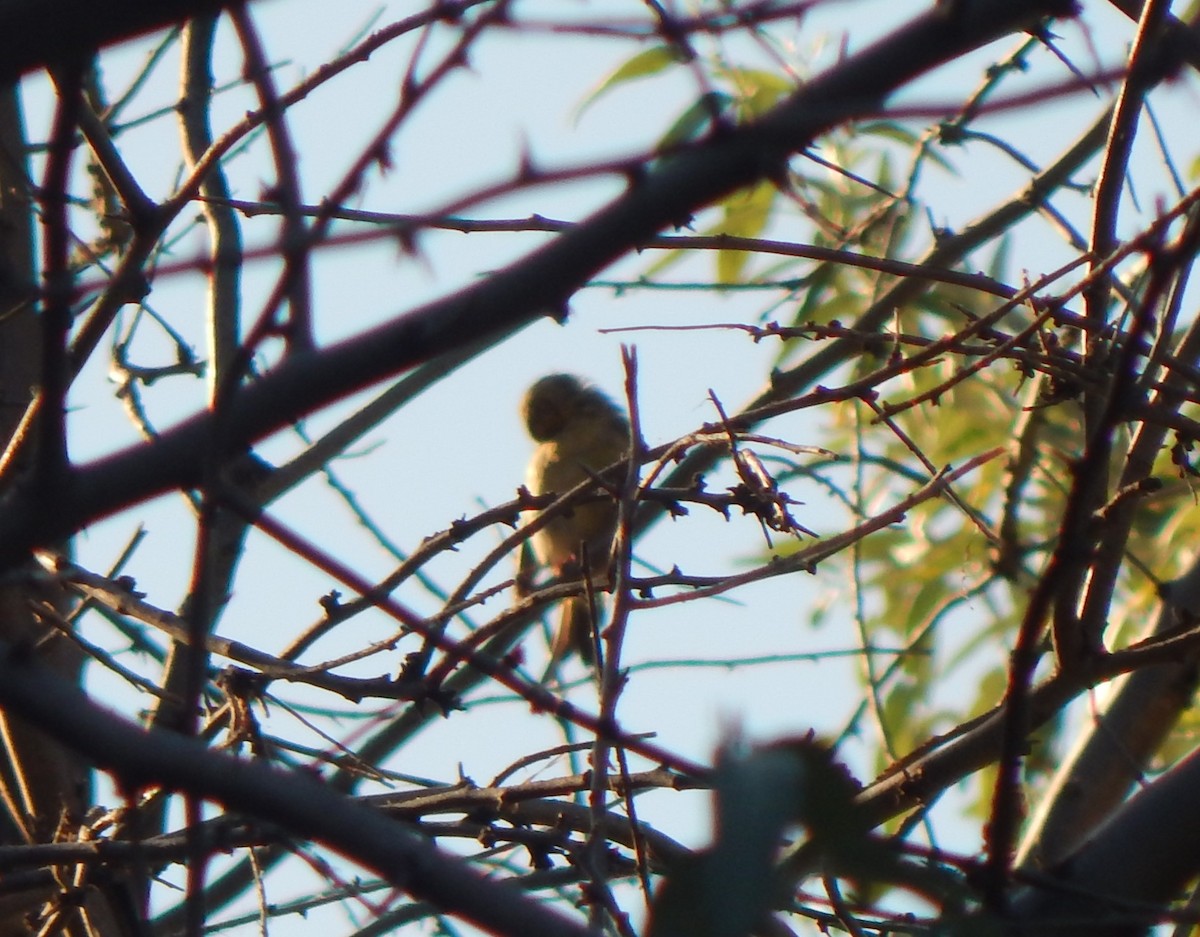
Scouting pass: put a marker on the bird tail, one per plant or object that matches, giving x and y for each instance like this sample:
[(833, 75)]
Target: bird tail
[(576, 628)]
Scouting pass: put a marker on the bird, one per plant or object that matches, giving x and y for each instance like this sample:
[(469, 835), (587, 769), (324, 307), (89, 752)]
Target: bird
[(579, 433)]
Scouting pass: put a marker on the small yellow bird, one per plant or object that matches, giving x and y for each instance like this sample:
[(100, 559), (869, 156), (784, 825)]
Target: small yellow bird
[(579, 432)]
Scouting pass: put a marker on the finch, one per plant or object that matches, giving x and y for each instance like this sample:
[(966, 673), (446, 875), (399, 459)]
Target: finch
[(579, 432)]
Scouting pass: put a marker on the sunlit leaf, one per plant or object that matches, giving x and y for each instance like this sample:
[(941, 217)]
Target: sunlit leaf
[(646, 63), (757, 90), (744, 214)]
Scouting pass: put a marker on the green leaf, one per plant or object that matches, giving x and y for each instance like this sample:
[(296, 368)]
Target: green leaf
[(890, 130), (695, 120), (643, 65), (998, 268), (744, 214), (757, 91), (727, 890)]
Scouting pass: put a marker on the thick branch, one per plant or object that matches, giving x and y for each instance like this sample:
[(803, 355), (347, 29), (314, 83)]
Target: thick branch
[(38, 33), (679, 186), (1115, 884)]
